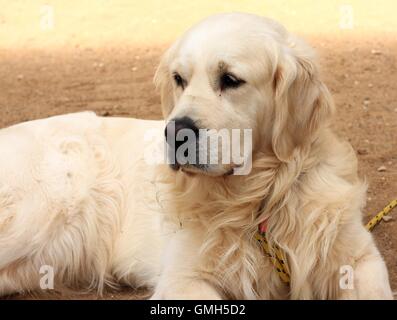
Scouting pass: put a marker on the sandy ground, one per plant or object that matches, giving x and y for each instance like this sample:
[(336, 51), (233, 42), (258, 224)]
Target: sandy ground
[(101, 55)]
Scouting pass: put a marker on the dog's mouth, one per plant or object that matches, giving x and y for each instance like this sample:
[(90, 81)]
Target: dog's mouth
[(191, 164), (191, 169)]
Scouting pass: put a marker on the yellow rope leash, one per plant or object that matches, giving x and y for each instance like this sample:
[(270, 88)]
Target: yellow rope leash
[(378, 218), (277, 256)]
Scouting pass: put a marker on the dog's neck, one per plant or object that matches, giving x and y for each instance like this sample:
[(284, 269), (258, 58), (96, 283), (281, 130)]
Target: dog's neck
[(205, 198)]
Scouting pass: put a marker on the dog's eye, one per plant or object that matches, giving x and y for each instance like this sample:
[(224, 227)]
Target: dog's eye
[(179, 80), (230, 81)]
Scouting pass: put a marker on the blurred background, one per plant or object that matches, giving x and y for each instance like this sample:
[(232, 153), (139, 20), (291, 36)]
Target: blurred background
[(69, 55)]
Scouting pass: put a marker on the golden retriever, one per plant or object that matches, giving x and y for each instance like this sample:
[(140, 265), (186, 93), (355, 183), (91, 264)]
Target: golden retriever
[(78, 195)]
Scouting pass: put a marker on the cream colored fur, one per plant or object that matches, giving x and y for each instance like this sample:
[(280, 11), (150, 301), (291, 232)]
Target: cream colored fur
[(77, 194)]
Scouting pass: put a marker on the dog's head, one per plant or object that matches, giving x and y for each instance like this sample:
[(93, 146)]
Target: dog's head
[(240, 71)]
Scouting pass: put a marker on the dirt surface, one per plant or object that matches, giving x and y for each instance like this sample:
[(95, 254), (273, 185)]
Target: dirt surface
[(101, 56)]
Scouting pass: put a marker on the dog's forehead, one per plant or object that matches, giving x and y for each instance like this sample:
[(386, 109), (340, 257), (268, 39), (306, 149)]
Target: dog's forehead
[(203, 40), (201, 47), (226, 38)]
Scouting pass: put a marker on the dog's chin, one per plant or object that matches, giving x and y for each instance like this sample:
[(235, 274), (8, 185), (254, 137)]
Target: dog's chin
[(208, 170)]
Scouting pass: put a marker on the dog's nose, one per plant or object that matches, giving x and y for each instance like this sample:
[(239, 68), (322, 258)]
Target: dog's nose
[(176, 125), (190, 134)]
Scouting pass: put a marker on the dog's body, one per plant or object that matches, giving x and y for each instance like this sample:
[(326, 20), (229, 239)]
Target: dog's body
[(77, 192)]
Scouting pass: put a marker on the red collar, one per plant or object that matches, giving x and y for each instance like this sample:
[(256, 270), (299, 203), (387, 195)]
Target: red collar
[(263, 227)]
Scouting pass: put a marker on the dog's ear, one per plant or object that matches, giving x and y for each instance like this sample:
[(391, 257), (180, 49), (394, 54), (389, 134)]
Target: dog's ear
[(162, 81), (302, 103)]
